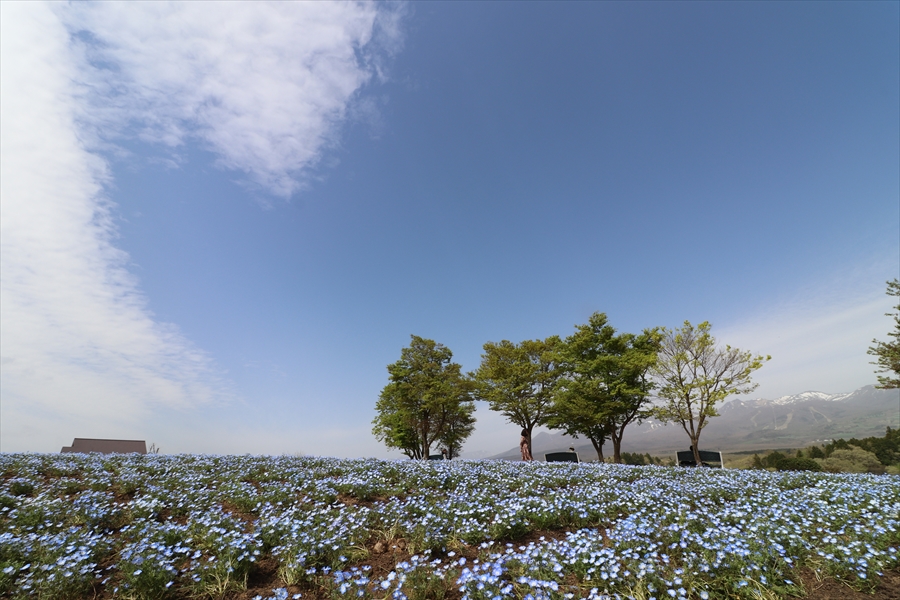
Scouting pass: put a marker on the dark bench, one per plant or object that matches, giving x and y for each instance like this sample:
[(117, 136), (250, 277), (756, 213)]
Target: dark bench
[(435, 457), (708, 458), (561, 457)]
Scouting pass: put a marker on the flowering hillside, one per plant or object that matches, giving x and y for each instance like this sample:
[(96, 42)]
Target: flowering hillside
[(145, 526)]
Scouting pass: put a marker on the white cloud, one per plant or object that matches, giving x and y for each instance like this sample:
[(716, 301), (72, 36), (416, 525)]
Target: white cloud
[(78, 344), (818, 339), (265, 86)]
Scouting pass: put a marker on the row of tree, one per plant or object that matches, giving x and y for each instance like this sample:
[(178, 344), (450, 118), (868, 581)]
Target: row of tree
[(593, 383)]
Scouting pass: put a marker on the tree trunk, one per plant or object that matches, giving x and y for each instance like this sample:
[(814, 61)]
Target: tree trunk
[(427, 432), (598, 448), (617, 436), (426, 447), (695, 441), (528, 439), (694, 435)]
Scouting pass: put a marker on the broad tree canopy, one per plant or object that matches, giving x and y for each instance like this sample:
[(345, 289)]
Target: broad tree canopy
[(517, 380), (605, 385), (427, 400)]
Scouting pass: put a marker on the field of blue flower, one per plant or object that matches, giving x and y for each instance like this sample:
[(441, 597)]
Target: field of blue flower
[(146, 526)]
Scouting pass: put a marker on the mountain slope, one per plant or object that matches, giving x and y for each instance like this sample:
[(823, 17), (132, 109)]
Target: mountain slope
[(787, 422)]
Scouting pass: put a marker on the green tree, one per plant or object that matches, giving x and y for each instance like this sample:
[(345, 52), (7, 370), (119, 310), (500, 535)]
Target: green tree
[(886, 449), (636, 458), (695, 375), (606, 384), (576, 412), (852, 460), (517, 380), (838, 444), (815, 452), (459, 425), (888, 353), (427, 400), (393, 425), (773, 459)]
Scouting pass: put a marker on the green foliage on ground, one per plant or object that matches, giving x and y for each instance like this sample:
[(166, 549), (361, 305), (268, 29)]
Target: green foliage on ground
[(636, 458), (869, 455), (852, 460), (886, 448), (781, 462)]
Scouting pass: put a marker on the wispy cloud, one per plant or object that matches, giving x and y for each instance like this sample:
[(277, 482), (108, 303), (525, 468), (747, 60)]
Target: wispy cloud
[(78, 342), (264, 86), (818, 338)]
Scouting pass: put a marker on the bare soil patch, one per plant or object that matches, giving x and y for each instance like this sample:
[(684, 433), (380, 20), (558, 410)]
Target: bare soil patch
[(888, 588)]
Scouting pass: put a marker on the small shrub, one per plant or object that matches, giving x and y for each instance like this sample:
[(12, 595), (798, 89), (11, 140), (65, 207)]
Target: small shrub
[(852, 460), (635, 458), (20, 487), (72, 487), (30, 518), (774, 459), (799, 464)]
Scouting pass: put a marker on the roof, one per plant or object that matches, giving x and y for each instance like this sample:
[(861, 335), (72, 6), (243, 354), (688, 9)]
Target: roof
[(106, 446)]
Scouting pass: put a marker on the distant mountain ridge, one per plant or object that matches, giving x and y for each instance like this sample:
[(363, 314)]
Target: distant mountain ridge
[(805, 396), (794, 421)]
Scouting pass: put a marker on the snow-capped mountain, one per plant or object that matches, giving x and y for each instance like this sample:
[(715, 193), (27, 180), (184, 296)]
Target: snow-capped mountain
[(802, 397), (805, 396), (786, 422)]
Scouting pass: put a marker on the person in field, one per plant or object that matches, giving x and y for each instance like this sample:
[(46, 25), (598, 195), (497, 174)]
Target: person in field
[(523, 445)]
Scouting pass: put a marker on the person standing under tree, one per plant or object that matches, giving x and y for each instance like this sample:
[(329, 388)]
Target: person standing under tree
[(523, 445)]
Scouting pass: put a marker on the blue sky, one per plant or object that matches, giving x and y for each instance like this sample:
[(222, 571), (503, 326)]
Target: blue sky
[(220, 222)]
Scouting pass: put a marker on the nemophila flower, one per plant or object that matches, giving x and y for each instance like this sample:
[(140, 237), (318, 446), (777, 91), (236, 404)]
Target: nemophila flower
[(635, 514)]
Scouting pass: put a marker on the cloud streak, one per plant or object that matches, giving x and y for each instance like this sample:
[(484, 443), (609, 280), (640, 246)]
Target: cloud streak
[(818, 340), (78, 343), (264, 86)]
